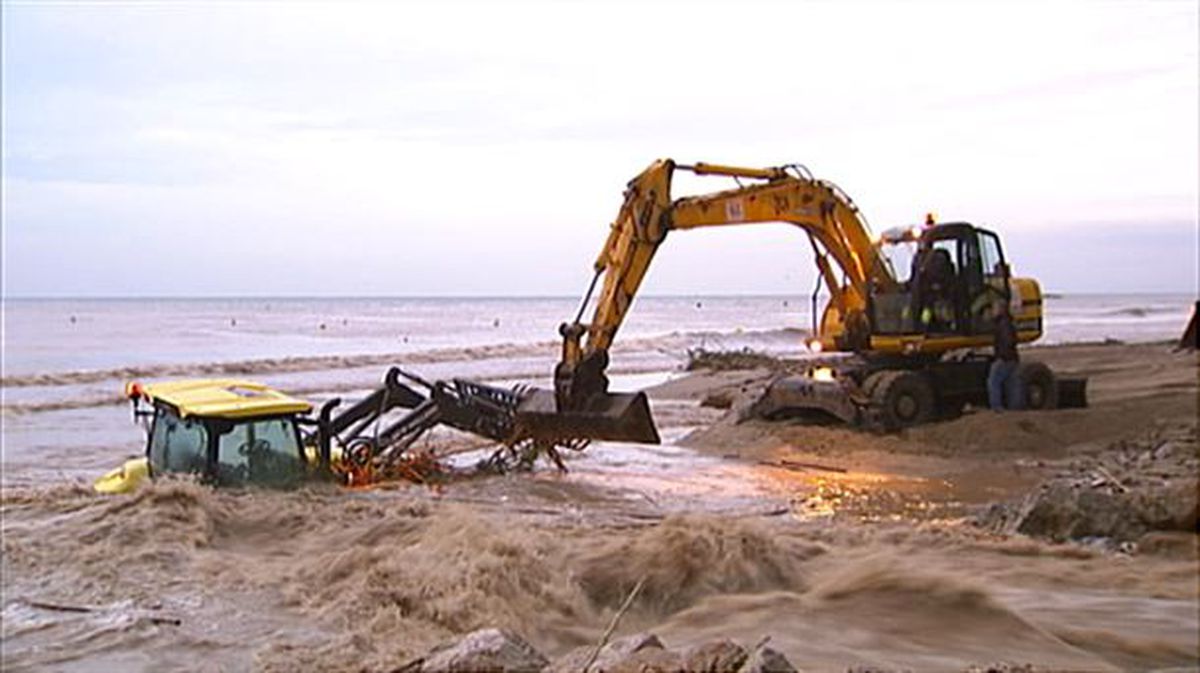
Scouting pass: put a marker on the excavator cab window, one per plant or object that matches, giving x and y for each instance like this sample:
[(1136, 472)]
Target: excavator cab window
[(991, 256), (945, 276), (901, 258), (993, 280), (961, 272), (892, 311), (936, 281), (956, 272)]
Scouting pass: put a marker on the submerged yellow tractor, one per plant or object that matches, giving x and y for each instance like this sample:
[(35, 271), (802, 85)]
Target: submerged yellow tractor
[(227, 431), (230, 432)]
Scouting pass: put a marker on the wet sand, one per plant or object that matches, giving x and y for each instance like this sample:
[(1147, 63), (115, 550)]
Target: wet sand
[(847, 549)]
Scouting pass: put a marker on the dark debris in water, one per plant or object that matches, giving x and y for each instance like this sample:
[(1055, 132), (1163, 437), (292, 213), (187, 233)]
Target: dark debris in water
[(699, 358)]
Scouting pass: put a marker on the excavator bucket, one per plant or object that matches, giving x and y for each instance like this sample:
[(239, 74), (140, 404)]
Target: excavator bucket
[(614, 417)]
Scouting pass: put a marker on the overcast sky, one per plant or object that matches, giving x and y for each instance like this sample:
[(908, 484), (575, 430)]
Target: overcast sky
[(452, 148)]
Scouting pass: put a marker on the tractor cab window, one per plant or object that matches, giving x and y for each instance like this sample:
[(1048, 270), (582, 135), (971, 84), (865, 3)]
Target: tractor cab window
[(177, 445), (262, 452)]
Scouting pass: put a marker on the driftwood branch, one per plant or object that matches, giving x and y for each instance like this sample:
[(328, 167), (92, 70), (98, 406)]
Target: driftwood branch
[(801, 466), (1111, 479), (612, 625), (85, 609), (59, 607)]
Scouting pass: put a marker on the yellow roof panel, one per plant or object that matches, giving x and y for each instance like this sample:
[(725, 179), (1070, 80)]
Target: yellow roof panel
[(224, 398)]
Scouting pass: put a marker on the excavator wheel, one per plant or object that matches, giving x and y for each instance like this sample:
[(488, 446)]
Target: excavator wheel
[(900, 399), (1038, 384), (870, 383)]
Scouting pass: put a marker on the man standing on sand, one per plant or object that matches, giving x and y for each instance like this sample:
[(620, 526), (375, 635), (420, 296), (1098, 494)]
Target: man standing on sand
[(1003, 373)]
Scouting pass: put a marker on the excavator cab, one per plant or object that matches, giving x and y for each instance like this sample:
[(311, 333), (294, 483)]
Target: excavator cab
[(949, 275)]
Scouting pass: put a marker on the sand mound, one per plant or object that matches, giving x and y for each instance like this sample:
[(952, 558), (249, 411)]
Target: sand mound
[(1130, 388)]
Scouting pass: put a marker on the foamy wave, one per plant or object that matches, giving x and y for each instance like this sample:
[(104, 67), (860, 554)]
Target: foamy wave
[(671, 342), (1140, 311), (273, 365), (96, 401), (88, 402)]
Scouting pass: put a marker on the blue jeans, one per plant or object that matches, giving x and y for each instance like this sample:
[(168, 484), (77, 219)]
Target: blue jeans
[(1003, 383)]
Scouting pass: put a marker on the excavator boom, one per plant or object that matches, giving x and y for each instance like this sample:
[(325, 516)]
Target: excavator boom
[(787, 194)]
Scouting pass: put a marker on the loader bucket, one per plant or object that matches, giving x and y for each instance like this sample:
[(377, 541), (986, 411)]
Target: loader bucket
[(614, 417)]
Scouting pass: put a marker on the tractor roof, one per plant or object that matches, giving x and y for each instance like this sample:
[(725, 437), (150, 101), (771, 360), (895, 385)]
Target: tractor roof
[(220, 398)]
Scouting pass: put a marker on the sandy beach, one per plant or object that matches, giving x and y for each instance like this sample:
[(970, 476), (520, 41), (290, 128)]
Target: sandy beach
[(847, 549)]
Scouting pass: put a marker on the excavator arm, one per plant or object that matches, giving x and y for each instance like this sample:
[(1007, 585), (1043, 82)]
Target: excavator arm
[(840, 240)]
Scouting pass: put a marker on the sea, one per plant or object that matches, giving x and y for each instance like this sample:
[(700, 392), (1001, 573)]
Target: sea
[(65, 361)]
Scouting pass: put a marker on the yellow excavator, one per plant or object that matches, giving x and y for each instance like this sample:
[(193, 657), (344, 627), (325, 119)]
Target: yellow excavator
[(912, 306)]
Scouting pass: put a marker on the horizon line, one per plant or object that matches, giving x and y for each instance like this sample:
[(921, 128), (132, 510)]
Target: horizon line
[(746, 295)]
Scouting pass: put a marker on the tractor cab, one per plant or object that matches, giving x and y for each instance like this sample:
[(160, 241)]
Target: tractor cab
[(226, 432)]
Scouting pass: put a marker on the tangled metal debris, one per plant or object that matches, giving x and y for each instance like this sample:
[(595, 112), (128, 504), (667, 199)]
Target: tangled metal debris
[(367, 442)]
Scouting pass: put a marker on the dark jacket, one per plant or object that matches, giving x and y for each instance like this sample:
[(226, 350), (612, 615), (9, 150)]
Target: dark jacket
[(1006, 338)]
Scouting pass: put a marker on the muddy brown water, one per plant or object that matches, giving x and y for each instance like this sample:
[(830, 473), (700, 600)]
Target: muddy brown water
[(874, 566), (838, 568)]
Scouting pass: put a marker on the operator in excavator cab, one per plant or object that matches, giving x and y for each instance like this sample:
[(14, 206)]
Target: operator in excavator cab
[(933, 282), (934, 292)]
